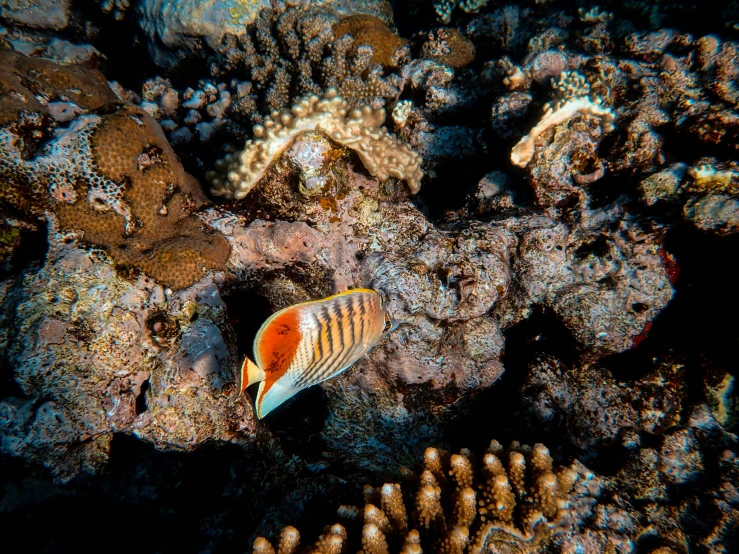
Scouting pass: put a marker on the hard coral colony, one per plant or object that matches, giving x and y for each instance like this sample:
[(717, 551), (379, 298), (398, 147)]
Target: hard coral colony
[(234, 166)]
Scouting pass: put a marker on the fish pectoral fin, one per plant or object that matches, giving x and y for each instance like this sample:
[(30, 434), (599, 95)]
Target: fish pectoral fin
[(250, 374), (274, 396)]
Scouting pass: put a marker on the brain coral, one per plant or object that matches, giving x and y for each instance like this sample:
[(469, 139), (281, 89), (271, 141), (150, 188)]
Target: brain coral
[(138, 202), (30, 88), (382, 154), (112, 176)]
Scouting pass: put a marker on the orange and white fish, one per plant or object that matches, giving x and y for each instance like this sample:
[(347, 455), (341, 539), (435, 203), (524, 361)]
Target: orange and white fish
[(305, 344)]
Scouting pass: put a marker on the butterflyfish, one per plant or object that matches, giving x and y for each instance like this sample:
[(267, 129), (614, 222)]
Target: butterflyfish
[(308, 343)]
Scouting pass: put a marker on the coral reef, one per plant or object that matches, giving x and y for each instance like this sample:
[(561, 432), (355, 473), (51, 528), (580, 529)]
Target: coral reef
[(178, 28), (449, 47), (575, 100), (599, 414), (574, 235), (359, 129), (296, 52), (108, 366), (444, 8)]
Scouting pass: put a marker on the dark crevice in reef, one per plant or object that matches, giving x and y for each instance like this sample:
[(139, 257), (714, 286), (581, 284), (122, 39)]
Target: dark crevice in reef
[(699, 326), (217, 494), (30, 251), (119, 42), (496, 412)]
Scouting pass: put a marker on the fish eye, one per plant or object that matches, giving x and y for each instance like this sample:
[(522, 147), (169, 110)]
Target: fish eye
[(390, 324)]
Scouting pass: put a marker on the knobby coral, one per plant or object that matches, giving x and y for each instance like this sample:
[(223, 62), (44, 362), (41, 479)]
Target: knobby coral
[(576, 99), (360, 129), (517, 498), (444, 8)]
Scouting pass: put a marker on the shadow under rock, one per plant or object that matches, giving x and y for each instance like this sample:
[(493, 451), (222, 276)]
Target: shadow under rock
[(699, 326), (150, 501), (496, 413)]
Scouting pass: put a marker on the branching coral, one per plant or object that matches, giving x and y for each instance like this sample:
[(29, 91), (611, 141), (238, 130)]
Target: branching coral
[(359, 129), (293, 53), (444, 8), (517, 498), (575, 100)]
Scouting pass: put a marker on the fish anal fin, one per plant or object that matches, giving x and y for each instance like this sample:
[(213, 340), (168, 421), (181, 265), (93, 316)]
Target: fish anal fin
[(271, 396)]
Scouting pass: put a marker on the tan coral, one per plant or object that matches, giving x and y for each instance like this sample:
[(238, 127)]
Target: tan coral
[(461, 470), (289, 541), (333, 541), (709, 176), (359, 129), (445, 517), (412, 543), (388, 49), (576, 101), (373, 540), (428, 506), (432, 461), (374, 515), (262, 546), (393, 506), (465, 507), (455, 541)]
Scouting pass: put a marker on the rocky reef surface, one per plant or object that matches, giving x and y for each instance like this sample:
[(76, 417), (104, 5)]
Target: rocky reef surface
[(545, 194)]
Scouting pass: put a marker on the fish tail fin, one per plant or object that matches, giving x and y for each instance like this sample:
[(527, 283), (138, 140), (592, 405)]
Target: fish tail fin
[(250, 374)]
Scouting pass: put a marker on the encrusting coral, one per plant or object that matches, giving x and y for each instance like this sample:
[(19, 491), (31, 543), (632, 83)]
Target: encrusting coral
[(516, 498), (450, 47), (112, 176), (360, 129), (576, 99)]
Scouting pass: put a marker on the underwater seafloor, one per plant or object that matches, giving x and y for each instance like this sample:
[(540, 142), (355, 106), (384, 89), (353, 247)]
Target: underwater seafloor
[(545, 193)]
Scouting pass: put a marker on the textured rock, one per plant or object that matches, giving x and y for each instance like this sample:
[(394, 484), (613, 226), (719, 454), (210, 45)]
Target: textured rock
[(95, 354)]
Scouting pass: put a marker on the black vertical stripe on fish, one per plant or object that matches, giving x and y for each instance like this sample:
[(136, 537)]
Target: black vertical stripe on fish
[(361, 322), (352, 348), (342, 360), (350, 310), (322, 362), (336, 325), (319, 342)]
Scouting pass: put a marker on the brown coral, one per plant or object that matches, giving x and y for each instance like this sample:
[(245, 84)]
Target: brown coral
[(24, 80), (28, 88), (388, 49), (142, 211), (112, 176), (450, 47), (297, 52)]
